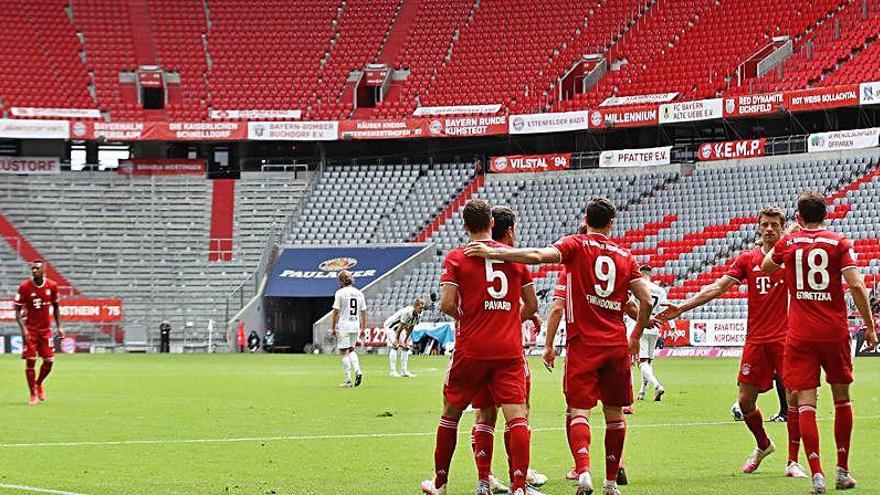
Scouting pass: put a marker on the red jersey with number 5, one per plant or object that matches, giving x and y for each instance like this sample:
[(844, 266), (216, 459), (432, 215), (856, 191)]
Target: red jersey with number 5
[(768, 299), (36, 301), (598, 276), (814, 261), (489, 304)]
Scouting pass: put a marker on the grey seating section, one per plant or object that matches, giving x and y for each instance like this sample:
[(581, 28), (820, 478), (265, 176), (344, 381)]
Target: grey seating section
[(377, 203), (145, 240)]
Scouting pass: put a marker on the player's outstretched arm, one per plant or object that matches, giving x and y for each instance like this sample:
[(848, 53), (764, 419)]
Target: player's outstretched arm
[(706, 294), (449, 300), (768, 266), (527, 256), (554, 317), (860, 296)]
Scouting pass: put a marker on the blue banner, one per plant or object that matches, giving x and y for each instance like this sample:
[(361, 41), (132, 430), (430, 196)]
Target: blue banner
[(311, 272), (442, 332)]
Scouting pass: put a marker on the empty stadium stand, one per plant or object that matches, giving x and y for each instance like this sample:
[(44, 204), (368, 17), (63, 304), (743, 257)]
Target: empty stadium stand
[(303, 55), (134, 238)]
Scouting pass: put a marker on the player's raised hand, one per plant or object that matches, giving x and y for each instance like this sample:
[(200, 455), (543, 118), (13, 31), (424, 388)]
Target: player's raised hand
[(549, 357), (478, 249), (672, 311), (792, 228)]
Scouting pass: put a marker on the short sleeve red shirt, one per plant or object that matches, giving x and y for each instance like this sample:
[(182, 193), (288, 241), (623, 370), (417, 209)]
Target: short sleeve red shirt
[(489, 303), (813, 262), (599, 274), (36, 302), (767, 297)]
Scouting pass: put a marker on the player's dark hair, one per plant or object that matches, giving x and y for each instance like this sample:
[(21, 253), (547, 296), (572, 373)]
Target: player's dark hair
[(34, 262), (646, 268), (600, 212), (811, 206), (477, 215), (504, 218), (772, 211)]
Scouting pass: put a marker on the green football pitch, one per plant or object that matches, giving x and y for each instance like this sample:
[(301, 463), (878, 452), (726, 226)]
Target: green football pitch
[(278, 424)]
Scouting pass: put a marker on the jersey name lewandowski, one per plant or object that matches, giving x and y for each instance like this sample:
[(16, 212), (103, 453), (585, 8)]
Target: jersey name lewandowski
[(489, 293)]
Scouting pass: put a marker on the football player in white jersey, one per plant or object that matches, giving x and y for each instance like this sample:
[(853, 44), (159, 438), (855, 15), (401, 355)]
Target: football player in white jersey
[(398, 329), (648, 343), (348, 323)]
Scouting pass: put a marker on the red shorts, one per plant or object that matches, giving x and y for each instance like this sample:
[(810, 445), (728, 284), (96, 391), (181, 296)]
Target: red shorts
[(803, 360), (505, 380), (760, 363), (39, 343), (483, 399), (594, 373)]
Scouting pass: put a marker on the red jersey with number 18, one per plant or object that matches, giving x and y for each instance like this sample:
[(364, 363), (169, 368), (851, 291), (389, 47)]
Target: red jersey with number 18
[(489, 304), (599, 274), (814, 261), (768, 299)]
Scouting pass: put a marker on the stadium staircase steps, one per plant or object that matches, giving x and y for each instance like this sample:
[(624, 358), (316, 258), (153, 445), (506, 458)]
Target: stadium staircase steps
[(26, 251), (144, 47), (398, 31), (222, 220), (456, 204)]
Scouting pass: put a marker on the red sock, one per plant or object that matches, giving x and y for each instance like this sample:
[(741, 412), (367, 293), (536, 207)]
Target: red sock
[(519, 440), (568, 432), (482, 441), (579, 443), (615, 434), (755, 422), (30, 373), (45, 369), (794, 433), (810, 436), (507, 451), (447, 435), (843, 425)]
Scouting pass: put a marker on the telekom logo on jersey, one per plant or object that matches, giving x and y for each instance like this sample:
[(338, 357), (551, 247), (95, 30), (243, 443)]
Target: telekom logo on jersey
[(763, 284)]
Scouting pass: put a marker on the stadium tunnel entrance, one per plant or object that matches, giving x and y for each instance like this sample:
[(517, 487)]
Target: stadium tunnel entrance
[(292, 318)]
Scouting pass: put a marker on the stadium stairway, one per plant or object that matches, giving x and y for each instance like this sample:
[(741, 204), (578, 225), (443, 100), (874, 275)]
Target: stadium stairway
[(26, 251), (222, 220)]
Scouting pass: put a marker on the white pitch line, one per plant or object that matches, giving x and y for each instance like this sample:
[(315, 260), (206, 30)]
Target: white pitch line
[(38, 490), (351, 436)]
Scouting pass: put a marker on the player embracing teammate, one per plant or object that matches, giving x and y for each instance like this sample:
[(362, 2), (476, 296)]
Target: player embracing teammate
[(490, 299), (814, 260), (600, 277)]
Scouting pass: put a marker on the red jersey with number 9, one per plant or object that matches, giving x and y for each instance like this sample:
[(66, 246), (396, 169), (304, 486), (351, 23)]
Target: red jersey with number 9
[(814, 261), (36, 301), (598, 275), (489, 304)]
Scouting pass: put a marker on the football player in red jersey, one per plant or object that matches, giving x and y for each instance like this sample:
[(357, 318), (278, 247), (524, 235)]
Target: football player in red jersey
[(35, 296), (490, 300), (601, 276), (486, 411), (813, 260), (762, 357)]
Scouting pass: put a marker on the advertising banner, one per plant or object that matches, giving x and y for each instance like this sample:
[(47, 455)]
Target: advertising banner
[(457, 110), (624, 117), (530, 163), (375, 77), (843, 140), (64, 113), (311, 271), (256, 114), (691, 111), (293, 131), (150, 79), (642, 157), (619, 101), (161, 166), (822, 98), (110, 131), (753, 105), (34, 129), (718, 333), (467, 126), (869, 93), (75, 310), (29, 165), (197, 131), (728, 150), (380, 129), (537, 123)]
